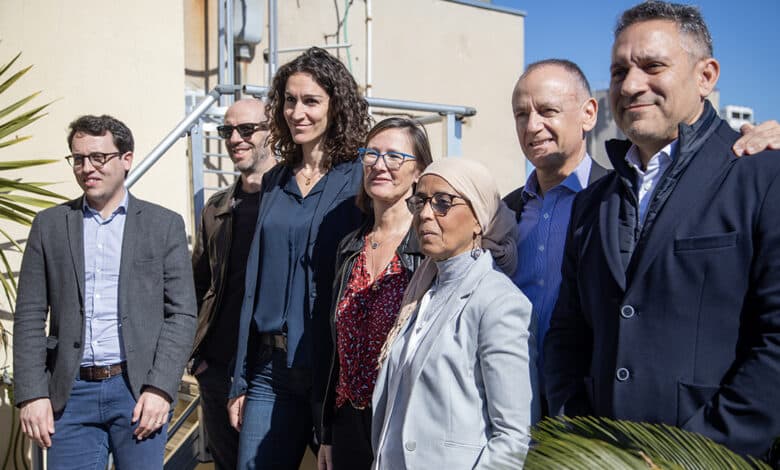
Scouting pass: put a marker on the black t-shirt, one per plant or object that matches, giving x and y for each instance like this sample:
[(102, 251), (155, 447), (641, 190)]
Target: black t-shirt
[(219, 346)]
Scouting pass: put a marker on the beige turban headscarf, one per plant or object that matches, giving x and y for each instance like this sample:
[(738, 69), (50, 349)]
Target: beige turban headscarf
[(474, 182)]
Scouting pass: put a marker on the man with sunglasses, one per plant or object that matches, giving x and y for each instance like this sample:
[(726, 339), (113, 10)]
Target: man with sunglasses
[(111, 275), (219, 265)]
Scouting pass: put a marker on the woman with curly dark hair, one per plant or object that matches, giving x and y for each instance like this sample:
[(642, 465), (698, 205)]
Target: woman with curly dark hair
[(317, 121)]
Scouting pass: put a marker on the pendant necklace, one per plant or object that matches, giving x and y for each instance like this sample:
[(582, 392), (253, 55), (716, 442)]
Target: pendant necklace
[(307, 179)]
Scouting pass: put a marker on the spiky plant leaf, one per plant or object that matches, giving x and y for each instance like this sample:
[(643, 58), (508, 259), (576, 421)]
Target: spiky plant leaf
[(588, 442), (21, 121), (27, 200), (13, 107), (15, 140), (30, 187), (7, 66), (17, 164), (19, 200), (13, 78)]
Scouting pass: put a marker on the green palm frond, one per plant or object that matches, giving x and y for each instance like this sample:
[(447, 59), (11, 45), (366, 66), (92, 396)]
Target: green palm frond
[(19, 200), (587, 442)]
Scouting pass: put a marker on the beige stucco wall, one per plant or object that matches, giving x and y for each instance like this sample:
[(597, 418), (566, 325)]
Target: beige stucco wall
[(423, 50), (95, 57)]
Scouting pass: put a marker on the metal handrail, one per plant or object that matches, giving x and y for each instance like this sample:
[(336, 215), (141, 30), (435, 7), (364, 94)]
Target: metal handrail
[(191, 406), (212, 97), (460, 111), (179, 131)]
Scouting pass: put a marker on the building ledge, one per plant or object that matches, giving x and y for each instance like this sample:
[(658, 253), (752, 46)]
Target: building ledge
[(489, 6)]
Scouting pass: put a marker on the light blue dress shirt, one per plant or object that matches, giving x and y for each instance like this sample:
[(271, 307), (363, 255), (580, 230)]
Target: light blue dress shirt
[(543, 224), (648, 179), (102, 255)]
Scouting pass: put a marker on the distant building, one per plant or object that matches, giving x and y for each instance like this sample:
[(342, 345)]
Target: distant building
[(606, 128), (736, 116)]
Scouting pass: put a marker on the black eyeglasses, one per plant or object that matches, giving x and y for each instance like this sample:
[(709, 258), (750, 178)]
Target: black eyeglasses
[(441, 203), (245, 130), (393, 160), (97, 159)]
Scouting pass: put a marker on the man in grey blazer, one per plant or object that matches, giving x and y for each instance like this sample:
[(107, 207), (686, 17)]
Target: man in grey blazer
[(112, 275)]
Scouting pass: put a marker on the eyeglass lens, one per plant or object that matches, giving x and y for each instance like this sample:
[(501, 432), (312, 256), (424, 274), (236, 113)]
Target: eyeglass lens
[(393, 160), (244, 130), (97, 159), (441, 203)]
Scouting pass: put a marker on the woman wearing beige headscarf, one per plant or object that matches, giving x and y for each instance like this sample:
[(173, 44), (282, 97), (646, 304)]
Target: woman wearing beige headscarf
[(455, 386)]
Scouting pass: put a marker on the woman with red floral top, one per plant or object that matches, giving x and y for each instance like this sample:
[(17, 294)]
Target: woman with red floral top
[(374, 265)]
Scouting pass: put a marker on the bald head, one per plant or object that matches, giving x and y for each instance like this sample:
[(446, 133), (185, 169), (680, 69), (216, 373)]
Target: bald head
[(249, 152), (553, 113), (579, 81), (251, 109)]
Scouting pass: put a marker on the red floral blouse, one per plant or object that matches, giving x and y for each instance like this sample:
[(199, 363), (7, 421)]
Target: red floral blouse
[(364, 316)]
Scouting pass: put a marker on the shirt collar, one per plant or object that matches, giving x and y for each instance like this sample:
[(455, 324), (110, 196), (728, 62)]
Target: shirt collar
[(575, 182), (667, 153), (122, 208)]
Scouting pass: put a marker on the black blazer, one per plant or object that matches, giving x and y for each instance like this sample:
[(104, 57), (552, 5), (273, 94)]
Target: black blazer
[(689, 333), (515, 199)]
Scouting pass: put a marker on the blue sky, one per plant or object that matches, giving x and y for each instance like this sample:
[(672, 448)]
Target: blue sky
[(745, 33)]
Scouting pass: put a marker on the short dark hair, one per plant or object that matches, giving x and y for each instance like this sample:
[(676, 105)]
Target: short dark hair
[(687, 18), (348, 116), (567, 65), (421, 148), (99, 125)]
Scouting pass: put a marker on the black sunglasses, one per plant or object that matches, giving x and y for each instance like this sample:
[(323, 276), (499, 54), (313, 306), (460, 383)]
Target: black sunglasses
[(245, 130), (441, 203)]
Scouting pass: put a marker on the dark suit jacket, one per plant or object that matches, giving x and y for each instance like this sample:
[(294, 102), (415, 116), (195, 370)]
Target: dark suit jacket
[(688, 333), (335, 216), (156, 302), (515, 199)]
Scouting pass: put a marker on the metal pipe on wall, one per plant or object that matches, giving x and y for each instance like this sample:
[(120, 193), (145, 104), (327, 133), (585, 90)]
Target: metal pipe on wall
[(273, 52), (369, 46), (230, 66)]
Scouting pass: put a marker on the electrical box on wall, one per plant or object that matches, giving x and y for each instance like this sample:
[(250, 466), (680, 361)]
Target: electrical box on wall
[(248, 21)]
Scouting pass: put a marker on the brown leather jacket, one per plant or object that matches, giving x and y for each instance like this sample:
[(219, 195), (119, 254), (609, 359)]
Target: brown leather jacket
[(210, 257)]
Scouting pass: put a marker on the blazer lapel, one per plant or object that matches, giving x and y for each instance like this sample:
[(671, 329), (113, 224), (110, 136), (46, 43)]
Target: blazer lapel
[(75, 224), (609, 211), (690, 196), (452, 308), (129, 239), (337, 179)]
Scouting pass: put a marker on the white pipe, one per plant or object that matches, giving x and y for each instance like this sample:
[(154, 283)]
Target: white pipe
[(369, 46)]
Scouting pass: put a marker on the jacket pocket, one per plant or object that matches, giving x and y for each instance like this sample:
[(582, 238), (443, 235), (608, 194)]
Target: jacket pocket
[(690, 398), (706, 242)]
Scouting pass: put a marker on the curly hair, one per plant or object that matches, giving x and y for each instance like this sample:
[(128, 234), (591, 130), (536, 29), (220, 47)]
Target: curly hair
[(348, 118)]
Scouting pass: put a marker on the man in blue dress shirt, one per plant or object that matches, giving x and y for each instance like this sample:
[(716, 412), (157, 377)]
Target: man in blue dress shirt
[(554, 111)]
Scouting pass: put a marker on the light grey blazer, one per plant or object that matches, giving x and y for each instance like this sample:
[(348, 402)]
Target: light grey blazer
[(156, 302), (470, 404)]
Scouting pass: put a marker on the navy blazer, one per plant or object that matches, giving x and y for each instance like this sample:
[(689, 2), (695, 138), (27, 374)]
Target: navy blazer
[(336, 215), (689, 333)]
